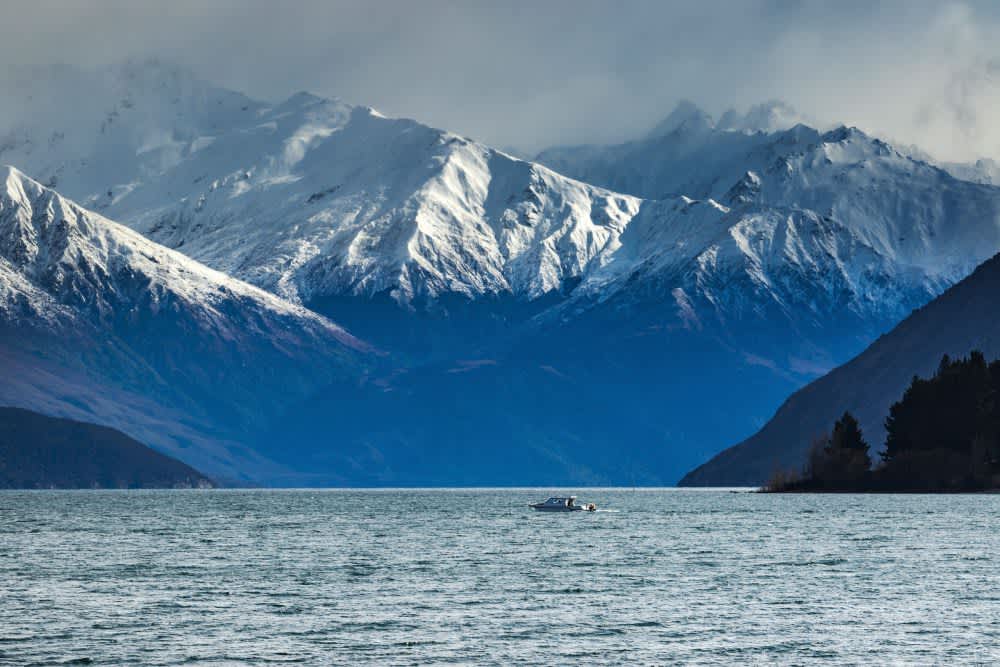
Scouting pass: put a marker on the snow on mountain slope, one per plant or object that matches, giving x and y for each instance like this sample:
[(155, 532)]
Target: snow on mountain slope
[(326, 199), (759, 252), (742, 262), (100, 323), (848, 205), (314, 197), (920, 229), (705, 159), (909, 211)]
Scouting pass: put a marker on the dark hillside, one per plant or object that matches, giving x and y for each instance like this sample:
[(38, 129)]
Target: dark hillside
[(41, 452), (965, 318)]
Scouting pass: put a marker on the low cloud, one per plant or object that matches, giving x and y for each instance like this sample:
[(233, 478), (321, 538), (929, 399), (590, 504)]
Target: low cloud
[(526, 75)]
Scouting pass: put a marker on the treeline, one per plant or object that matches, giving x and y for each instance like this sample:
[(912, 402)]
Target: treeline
[(943, 435)]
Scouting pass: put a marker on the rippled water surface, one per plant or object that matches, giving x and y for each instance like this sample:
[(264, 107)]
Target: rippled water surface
[(426, 577)]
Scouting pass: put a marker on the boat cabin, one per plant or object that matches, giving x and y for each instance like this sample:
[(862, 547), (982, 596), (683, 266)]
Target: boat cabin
[(562, 504)]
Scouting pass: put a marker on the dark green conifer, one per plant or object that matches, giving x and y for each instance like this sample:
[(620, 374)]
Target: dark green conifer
[(846, 457)]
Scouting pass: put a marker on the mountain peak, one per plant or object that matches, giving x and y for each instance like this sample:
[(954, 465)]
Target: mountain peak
[(686, 116), (746, 190), (768, 117), (45, 235), (10, 176), (18, 189), (176, 353), (844, 133)]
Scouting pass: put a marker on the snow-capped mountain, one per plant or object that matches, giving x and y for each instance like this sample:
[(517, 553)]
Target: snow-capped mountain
[(771, 116), (341, 200), (813, 223), (99, 323), (662, 268), (703, 159), (313, 197), (688, 118)]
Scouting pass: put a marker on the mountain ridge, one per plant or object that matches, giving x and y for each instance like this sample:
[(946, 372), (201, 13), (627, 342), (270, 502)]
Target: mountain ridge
[(956, 323), (68, 454), (100, 324)]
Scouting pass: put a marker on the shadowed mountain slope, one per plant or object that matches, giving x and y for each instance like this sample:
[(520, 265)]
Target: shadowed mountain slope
[(40, 452), (963, 319), (100, 324)]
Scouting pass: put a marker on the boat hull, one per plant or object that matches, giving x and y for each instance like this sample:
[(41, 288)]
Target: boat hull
[(550, 508)]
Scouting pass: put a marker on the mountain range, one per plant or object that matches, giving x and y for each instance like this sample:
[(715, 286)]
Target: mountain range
[(603, 314)]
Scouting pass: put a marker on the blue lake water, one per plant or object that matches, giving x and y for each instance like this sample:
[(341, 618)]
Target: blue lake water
[(460, 576)]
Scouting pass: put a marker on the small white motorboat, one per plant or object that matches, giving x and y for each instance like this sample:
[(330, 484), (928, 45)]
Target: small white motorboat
[(562, 504)]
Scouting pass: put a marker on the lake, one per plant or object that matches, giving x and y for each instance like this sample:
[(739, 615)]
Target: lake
[(473, 576)]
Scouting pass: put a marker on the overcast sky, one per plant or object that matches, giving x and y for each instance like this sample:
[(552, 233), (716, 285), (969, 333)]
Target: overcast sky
[(530, 74)]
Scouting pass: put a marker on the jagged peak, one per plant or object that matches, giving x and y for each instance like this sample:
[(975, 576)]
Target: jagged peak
[(850, 144), (686, 115), (843, 133), (373, 112), (10, 174), (52, 235), (25, 190), (771, 116), (768, 117), (17, 185), (745, 190), (803, 129)]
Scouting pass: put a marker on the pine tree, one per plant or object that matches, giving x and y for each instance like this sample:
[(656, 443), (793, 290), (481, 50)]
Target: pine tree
[(847, 436), (847, 450), (944, 413)]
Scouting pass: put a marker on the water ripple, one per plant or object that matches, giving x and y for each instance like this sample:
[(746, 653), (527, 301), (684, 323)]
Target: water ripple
[(344, 577)]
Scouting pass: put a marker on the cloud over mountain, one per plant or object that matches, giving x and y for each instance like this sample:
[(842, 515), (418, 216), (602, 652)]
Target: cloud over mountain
[(568, 72)]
